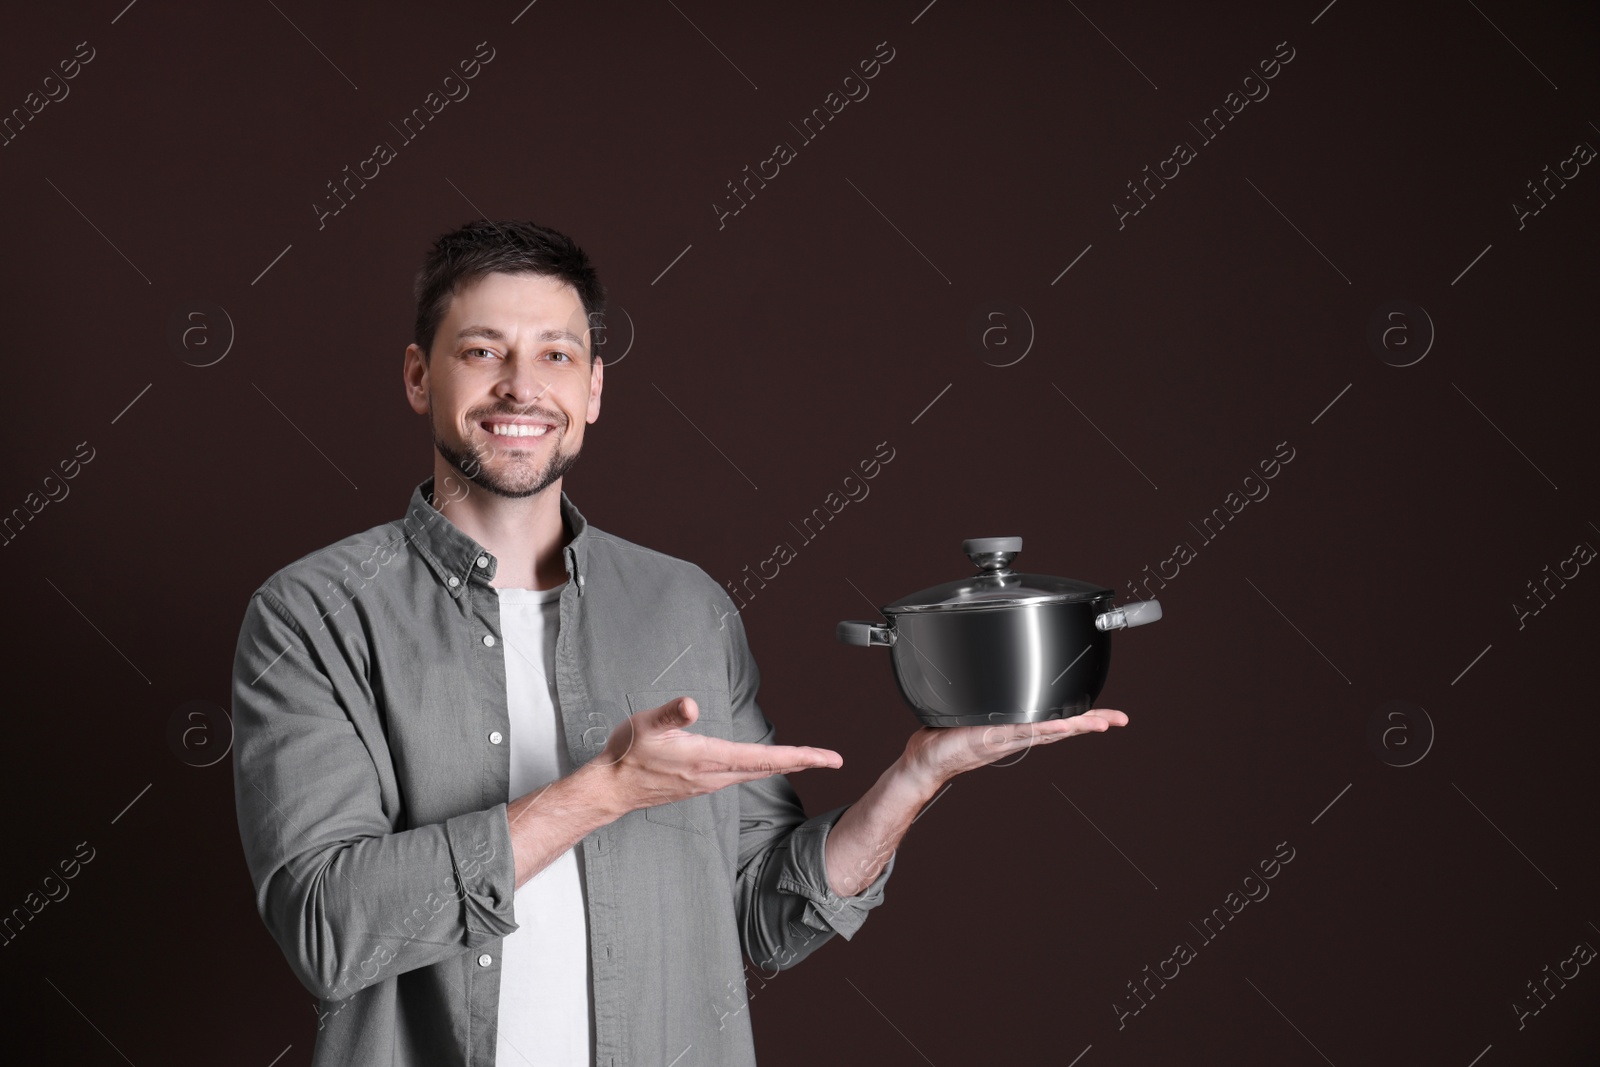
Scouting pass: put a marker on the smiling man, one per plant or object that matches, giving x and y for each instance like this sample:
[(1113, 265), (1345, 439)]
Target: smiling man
[(505, 792)]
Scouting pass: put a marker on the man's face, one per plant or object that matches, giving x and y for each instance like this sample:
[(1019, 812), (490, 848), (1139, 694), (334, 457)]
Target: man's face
[(511, 356)]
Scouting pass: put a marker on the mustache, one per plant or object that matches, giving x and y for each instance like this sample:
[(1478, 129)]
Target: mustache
[(532, 413)]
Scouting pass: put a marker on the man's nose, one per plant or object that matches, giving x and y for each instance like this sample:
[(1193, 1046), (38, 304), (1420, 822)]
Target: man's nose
[(523, 383)]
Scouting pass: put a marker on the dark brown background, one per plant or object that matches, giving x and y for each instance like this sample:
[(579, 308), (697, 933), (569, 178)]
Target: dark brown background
[(797, 338)]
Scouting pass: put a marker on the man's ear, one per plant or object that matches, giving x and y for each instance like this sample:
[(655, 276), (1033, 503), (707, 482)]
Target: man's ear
[(414, 375), (596, 381)]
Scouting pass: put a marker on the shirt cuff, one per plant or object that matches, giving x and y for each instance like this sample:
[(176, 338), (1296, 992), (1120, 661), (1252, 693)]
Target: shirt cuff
[(805, 874), (485, 873)]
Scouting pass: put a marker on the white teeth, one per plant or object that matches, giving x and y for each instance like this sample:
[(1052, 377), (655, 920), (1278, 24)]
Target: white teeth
[(507, 429)]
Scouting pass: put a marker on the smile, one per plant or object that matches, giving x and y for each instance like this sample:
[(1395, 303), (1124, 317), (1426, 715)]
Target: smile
[(517, 429)]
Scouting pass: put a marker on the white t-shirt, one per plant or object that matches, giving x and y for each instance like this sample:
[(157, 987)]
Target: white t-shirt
[(545, 990)]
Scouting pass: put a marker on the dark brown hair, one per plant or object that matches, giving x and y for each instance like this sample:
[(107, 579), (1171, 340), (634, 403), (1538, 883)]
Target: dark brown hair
[(515, 247)]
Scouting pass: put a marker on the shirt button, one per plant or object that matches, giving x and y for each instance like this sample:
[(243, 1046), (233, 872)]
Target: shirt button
[(488, 639), (495, 737), (483, 561), (580, 579), (485, 959), (453, 581)]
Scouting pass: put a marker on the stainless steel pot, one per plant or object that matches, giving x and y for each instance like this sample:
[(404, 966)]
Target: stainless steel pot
[(1000, 647)]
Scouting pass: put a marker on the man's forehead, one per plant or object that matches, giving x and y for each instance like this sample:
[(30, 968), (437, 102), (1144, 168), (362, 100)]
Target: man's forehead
[(547, 333), (495, 311)]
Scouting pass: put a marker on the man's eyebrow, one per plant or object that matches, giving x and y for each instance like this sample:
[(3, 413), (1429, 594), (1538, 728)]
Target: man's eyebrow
[(492, 334)]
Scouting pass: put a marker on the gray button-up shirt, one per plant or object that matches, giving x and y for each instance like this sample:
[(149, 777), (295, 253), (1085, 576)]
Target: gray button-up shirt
[(368, 681)]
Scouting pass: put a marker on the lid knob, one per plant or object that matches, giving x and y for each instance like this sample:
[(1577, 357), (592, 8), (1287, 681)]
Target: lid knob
[(993, 555)]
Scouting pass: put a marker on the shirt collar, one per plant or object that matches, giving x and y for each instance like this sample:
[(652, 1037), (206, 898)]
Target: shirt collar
[(457, 559)]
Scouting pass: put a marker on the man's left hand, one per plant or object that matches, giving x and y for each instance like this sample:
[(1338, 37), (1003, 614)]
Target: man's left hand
[(937, 754)]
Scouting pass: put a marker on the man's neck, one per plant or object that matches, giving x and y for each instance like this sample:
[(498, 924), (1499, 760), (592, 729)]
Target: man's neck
[(525, 535)]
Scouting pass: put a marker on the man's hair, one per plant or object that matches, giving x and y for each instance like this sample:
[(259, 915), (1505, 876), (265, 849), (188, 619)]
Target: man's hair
[(515, 247)]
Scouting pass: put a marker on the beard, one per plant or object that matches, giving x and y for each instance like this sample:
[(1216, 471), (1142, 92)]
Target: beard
[(519, 476)]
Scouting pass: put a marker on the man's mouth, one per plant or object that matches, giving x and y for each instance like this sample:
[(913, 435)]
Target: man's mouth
[(519, 427)]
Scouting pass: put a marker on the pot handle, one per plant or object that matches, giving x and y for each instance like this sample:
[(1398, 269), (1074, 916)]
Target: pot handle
[(856, 632), (1138, 613)]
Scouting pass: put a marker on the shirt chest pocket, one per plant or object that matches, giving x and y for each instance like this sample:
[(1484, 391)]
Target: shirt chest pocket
[(716, 720)]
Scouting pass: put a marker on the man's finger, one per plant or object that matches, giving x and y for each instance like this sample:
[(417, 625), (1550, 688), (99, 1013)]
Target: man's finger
[(741, 756), (678, 713)]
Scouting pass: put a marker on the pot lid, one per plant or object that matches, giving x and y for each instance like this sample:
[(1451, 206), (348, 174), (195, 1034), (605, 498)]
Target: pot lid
[(996, 585)]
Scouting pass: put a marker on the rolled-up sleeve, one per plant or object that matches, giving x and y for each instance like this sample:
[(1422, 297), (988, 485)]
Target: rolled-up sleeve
[(787, 910), (349, 900)]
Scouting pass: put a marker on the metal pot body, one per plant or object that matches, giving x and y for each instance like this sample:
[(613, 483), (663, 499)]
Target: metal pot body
[(1015, 664)]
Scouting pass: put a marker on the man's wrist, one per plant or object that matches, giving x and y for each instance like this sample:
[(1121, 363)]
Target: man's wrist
[(909, 780), (596, 791)]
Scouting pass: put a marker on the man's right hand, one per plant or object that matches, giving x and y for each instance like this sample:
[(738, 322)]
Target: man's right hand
[(650, 758)]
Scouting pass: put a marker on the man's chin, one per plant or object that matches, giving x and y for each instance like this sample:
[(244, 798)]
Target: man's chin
[(519, 483)]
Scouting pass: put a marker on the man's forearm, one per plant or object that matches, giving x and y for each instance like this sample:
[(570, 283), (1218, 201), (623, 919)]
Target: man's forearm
[(547, 822), (860, 843)]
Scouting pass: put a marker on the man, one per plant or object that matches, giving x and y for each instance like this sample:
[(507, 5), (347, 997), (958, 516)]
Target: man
[(505, 792)]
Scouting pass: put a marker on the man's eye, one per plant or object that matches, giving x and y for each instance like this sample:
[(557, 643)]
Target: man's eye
[(488, 351), (563, 355)]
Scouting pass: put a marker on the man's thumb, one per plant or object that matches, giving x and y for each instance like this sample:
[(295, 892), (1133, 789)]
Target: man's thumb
[(680, 712)]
